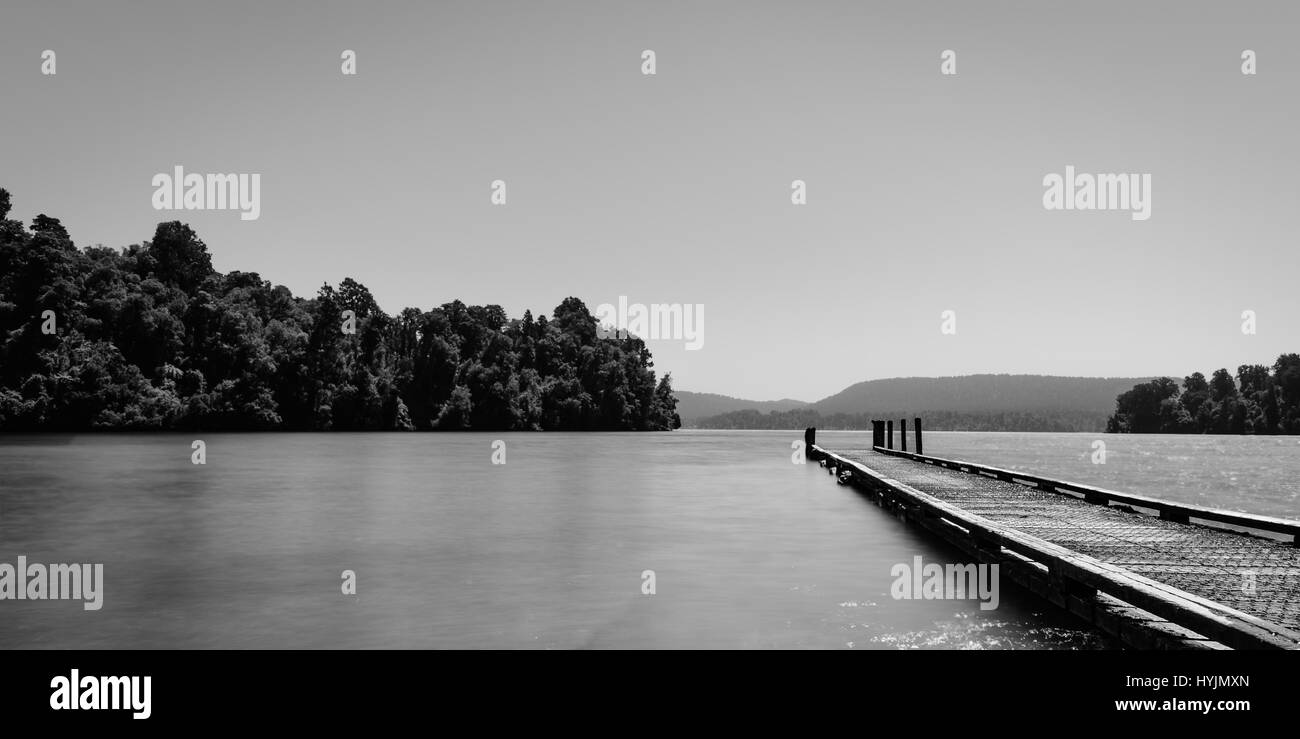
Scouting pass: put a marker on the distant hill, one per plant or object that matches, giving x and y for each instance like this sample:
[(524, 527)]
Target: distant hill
[(969, 402), (692, 406), (980, 393)]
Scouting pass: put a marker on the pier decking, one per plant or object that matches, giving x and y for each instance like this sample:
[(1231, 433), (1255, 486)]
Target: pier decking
[(1153, 573)]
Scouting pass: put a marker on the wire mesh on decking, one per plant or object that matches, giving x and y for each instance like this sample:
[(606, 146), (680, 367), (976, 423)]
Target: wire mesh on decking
[(1211, 563)]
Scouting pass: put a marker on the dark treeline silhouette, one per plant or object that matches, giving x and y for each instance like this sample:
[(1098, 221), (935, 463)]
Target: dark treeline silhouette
[(1047, 420), (1262, 400), (151, 337)]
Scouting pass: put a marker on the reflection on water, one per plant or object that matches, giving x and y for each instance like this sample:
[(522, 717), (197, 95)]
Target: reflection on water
[(449, 550)]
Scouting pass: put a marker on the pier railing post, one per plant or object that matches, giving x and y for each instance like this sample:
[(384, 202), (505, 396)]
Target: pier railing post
[(902, 434), (889, 434), (917, 423)]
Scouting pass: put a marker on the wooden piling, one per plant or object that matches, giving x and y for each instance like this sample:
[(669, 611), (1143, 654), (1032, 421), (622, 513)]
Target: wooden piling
[(809, 437), (889, 434), (902, 434), (918, 435)]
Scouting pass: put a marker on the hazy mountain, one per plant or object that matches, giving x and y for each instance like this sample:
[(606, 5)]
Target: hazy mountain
[(980, 393), (973, 402), (692, 406)]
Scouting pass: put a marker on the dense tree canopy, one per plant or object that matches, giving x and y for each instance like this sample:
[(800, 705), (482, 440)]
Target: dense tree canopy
[(151, 337), (1261, 400)]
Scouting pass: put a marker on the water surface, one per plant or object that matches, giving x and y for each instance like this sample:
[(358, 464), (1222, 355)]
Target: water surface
[(546, 551)]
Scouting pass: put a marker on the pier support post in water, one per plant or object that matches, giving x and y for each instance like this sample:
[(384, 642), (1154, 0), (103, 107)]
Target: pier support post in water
[(889, 434), (902, 434), (917, 423), (809, 438), (875, 433)]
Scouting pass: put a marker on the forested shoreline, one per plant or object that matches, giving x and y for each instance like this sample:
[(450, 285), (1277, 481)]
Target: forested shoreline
[(150, 336), (1260, 400)]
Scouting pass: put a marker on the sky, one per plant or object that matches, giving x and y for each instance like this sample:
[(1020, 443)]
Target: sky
[(924, 190)]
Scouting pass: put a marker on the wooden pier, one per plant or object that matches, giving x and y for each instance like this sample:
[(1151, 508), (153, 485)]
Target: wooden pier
[(1152, 573)]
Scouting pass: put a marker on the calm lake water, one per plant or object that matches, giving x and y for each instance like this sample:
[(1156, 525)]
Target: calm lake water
[(545, 551)]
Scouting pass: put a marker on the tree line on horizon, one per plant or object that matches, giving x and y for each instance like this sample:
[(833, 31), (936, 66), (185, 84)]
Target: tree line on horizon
[(152, 337), (1260, 400), (799, 418)]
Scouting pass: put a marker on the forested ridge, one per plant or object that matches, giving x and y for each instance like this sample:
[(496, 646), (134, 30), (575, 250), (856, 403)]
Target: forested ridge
[(799, 418), (981, 402), (151, 337), (1260, 400), (981, 394)]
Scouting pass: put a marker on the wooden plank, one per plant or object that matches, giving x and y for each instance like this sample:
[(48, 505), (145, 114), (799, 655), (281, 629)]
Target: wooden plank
[(1202, 616), (1168, 509)]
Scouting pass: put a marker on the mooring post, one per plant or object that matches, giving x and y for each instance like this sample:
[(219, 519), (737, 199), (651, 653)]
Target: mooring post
[(918, 435), (876, 439), (902, 434), (889, 434), (809, 438)]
